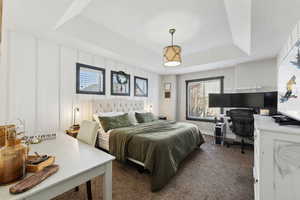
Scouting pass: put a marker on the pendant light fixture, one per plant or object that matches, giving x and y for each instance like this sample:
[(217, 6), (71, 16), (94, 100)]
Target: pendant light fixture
[(172, 54)]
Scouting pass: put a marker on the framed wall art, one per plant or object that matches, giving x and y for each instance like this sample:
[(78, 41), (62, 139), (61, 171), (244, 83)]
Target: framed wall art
[(167, 90), (120, 83), (90, 79), (140, 86)]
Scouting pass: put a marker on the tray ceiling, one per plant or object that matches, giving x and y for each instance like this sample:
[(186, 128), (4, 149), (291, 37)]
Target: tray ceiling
[(212, 34)]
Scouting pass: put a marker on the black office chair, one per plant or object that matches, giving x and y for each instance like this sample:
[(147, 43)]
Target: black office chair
[(242, 124)]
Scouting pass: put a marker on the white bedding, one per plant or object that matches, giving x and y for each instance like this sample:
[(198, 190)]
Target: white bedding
[(103, 139)]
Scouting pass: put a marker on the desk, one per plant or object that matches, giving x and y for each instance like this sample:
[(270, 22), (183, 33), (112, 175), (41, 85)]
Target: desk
[(78, 163)]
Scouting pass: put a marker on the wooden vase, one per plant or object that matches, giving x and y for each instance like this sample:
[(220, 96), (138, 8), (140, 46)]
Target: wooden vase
[(12, 158)]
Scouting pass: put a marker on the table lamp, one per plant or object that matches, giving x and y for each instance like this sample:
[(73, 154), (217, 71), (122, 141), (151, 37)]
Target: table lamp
[(75, 113)]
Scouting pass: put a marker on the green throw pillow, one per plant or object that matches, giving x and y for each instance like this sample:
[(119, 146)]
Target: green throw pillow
[(119, 121), (144, 117)]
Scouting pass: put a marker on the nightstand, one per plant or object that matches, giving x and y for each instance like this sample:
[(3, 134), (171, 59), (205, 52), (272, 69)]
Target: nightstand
[(162, 118), (72, 133)]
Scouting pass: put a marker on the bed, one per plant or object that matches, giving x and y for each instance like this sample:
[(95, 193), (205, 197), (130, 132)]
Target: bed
[(159, 146), (116, 105)]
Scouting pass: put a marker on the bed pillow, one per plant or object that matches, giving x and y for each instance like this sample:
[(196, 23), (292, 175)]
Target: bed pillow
[(109, 114), (104, 114), (144, 117), (112, 122), (131, 116), (96, 118)]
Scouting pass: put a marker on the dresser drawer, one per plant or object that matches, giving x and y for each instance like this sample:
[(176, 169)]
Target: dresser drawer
[(256, 148), (256, 191), (256, 183)]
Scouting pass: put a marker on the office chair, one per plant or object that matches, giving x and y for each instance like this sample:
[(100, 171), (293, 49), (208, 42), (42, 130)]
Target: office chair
[(242, 124)]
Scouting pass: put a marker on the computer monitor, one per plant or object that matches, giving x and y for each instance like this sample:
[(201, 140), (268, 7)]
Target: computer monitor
[(219, 100), (244, 100), (270, 99)]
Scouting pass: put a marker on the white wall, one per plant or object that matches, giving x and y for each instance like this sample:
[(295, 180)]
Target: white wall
[(229, 82), (168, 105), (261, 74), (294, 36), (247, 77), (38, 80)]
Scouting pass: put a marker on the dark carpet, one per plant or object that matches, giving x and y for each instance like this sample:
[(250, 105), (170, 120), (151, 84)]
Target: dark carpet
[(212, 172)]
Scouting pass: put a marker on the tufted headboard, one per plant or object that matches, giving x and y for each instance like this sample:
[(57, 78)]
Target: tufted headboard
[(117, 105)]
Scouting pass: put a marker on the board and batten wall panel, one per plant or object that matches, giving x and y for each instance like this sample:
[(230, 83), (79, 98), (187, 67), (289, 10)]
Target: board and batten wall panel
[(22, 79), (67, 87), (4, 66), (47, 85), (42, 82)]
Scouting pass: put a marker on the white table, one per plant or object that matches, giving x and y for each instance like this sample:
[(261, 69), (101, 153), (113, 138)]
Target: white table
[(78, 163)]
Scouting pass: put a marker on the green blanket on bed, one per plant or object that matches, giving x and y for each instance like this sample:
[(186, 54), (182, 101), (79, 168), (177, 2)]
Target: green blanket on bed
[(160, 145)]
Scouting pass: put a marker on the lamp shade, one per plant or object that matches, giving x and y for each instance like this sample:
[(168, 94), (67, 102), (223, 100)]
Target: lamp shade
[(172, 56)]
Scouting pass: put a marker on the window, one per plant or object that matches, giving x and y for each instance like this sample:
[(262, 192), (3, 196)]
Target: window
[(197, 98)]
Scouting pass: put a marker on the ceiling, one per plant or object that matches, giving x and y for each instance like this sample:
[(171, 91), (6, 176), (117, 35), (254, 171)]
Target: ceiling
[(213, 34), (147, 22)]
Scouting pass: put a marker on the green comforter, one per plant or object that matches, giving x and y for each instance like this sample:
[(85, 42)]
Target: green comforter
[(160, 145)]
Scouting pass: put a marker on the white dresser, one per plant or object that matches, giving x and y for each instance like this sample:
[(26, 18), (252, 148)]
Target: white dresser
[(276, 168)]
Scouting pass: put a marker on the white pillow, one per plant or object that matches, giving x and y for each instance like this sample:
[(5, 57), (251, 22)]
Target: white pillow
[(106, 114), (110, 114), (96, 118), (132, 119)]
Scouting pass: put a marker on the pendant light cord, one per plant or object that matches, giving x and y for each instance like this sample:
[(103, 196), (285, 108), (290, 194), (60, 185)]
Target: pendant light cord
[(172, 31)]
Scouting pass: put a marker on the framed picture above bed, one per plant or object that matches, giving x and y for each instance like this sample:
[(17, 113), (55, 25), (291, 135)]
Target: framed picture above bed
[(120, 83), (140, 87), (167, 90), (90, 79)]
